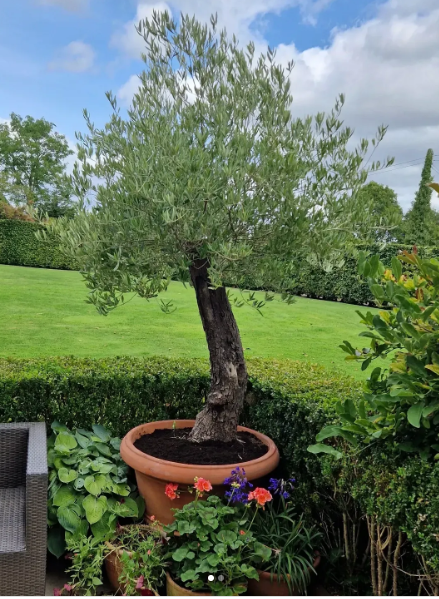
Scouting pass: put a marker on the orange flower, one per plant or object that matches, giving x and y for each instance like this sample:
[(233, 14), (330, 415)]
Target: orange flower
[(242, 532), (202, 485), (260, 495), (170, 491)]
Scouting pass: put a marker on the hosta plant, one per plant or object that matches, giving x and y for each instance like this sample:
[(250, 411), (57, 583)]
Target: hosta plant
[(88, 486), (213, 551)]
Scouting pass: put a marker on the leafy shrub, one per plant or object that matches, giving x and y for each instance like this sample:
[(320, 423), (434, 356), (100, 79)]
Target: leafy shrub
[(402, 404), (19, 246), (88, 486)]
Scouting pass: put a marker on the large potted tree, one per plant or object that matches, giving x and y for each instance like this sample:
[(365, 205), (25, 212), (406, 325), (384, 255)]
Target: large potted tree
[(209, 179)]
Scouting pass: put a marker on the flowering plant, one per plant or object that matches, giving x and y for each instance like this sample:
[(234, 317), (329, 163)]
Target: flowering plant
[(213, 550), (293, 544)]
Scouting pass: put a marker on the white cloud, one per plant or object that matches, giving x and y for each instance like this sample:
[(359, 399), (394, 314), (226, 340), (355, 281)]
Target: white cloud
[(128, 40), (70, 5), (386, 66), (76, 57), (128, 89)]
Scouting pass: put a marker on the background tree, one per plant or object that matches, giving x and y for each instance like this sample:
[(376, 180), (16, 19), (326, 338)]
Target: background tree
[(386, 211), (210, 177), (32, 165), (421, 223)]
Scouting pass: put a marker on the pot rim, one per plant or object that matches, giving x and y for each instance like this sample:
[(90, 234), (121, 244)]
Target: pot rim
[(170, 579), (268, 573), (130, 453)]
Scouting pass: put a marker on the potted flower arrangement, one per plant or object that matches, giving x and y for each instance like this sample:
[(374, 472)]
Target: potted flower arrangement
[(293, 557), (134, 559), (209, 552), (135, 562)]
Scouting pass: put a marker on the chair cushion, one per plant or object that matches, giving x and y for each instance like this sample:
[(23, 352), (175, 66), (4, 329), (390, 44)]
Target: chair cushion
[(12, 520)]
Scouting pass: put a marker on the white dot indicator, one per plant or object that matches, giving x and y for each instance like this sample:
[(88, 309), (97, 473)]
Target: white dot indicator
[(211, 577)]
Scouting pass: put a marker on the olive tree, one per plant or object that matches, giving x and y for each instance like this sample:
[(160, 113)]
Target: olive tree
[(209, 179)]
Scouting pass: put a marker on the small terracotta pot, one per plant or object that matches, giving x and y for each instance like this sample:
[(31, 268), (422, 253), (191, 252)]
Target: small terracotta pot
[(113, 564), (268, 586), (175, 590), (153, 474)]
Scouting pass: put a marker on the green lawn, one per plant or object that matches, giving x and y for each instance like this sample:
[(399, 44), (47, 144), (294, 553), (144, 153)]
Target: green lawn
[(43, 313)]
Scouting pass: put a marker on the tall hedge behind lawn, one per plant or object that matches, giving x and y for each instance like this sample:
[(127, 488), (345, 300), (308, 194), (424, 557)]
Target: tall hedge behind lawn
[(19, 246)]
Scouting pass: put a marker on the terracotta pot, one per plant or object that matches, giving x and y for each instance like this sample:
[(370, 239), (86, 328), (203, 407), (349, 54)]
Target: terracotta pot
[(268, 586), (113, 564), (153, 474), (175, 590)]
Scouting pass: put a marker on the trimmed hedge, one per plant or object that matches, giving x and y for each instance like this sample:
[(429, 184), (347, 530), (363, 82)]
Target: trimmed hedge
[(290, 401), (19, 246)]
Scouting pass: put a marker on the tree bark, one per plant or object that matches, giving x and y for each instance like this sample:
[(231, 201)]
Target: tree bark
[(219, 418)]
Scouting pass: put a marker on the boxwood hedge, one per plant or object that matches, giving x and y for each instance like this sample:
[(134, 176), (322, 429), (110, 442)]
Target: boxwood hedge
[(20, 246)]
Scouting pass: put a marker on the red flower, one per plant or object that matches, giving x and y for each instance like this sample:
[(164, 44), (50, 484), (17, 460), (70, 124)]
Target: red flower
[(202, 485), (146, 592), (242, 532), (170, 491), (261, 496)]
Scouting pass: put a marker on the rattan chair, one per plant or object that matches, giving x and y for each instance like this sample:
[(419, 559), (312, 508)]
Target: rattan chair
[(23, 508)]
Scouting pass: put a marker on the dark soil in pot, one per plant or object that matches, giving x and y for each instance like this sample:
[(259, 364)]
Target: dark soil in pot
[(174, 446)]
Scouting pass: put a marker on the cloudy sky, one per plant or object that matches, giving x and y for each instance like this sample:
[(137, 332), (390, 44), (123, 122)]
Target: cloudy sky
[(60, 56)]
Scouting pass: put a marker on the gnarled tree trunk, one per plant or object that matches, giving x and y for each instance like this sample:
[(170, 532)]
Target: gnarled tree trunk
[(219, 418)]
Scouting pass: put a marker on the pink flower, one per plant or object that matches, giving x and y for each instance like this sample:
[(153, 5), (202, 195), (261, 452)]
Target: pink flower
[(152, 518), (57, 592), (242, 532), (260, 495), (68, 588), (170, 491), (139, 583), (202, 485), (149, 552)]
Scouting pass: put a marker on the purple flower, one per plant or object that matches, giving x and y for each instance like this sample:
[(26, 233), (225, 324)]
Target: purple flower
[(239, 486), (279, 486)]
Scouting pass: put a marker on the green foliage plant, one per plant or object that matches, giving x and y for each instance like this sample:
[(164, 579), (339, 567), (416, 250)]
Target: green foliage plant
[(88, 486), (211, 542), (292, 541), (143, 558), (401, 405), (210, 177)]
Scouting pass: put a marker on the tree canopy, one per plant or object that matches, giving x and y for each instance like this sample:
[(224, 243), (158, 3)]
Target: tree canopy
[(386, 211), (208, 177), (421, 223), (32, 165)]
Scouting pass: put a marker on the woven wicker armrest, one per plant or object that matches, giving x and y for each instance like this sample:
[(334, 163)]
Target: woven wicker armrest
[(36, 486)]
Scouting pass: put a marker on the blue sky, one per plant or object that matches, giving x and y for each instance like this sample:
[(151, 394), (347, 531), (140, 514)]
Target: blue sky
[(60, 56)]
